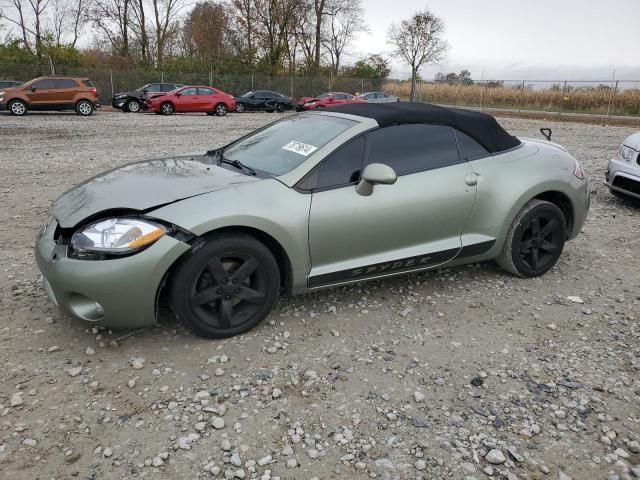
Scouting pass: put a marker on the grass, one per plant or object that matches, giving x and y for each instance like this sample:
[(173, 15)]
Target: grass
[(593, 100)]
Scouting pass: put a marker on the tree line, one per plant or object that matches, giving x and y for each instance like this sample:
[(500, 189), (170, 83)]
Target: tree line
[(309, 37)]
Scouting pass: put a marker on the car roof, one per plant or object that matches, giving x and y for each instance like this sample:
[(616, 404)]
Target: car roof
[(480, 126)]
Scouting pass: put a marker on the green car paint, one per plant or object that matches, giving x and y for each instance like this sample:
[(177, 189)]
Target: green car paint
[(429, 219)]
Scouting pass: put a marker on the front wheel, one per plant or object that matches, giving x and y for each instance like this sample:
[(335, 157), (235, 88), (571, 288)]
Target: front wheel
[(221, 110), (84, 108), (535, 240), (240, 108), (18, 107), (225, 287), (133, 106), (167, 109), (279, 108)]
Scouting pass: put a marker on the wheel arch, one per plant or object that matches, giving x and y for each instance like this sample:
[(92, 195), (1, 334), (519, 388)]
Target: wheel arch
[(563, 202), (277, 250)]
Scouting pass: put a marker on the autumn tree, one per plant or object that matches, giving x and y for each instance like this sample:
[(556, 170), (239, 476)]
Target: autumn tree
[(204, 30), (418, 41)]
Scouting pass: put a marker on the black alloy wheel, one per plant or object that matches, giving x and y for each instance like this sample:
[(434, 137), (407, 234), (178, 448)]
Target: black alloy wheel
[(225, 287), (535, 240)]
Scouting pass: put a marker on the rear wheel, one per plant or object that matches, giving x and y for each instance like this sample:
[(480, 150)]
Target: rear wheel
[(221, 110), (226, 287), (133, 106), (18, 107), (279, 108), (167, 108), (535, 240), (84, 108)]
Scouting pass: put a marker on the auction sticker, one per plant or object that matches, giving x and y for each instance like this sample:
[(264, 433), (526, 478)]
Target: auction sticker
[(300, 148)]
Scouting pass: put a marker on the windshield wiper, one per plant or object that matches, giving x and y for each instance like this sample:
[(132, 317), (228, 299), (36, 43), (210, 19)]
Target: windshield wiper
[(236, 163)]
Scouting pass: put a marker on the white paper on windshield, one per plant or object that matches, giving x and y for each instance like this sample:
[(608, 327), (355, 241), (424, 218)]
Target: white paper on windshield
[(300, 148)]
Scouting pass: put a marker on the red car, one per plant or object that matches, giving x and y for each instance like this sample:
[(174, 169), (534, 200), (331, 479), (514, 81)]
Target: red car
[(192, 99), (326, 100)]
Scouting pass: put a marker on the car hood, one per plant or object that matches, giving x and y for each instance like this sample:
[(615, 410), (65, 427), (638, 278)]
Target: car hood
[(307, 99), (128, 94), (144, 185), (633, 141)]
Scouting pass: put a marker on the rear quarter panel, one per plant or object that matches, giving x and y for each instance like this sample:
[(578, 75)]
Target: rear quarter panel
[(508, 181)]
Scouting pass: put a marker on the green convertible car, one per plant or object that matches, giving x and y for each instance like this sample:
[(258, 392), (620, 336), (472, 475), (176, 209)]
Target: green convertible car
[(314, 200)]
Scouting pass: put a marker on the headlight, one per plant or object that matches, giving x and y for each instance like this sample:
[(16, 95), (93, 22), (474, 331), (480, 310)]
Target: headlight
[(308, 104), (117, 235), (625, 153)]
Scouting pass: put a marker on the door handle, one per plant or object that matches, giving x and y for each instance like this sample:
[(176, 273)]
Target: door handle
[(471, 179)]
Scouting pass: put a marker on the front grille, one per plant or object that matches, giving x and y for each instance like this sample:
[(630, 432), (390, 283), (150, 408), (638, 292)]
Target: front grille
[(627, 184)]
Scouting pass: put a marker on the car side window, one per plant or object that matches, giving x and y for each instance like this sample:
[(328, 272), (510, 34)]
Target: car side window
[(153, 87), (468, 147), (167, 87), (189, 91), (205, 91), (46, 84), (413, 148), (339, 169), (66, 83)]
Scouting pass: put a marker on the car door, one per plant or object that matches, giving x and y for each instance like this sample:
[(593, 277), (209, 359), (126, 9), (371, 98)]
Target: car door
[(413, 224), (67, 89), (206, 99), (187, 101), (42, 92)]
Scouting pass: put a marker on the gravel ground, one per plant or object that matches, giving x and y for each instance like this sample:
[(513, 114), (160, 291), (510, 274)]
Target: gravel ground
[(457, 373)]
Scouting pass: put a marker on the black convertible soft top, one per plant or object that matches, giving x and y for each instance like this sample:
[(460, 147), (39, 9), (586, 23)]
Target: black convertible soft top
[(480, 126)]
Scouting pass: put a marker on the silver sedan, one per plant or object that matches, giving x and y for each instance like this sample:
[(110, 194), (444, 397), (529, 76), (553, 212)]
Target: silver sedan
[(623, 175), (378, 97)]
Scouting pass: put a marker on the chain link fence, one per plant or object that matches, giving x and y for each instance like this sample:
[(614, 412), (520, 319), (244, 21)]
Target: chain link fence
[(113, 80), (606, 97)]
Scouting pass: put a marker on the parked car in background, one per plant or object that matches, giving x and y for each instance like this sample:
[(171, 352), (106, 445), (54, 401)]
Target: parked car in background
[(306, 203), (51, 93), (623, 174), (193, 99), (326, 100), (136, 101), (263, 100), (9, 84), (378, 97)]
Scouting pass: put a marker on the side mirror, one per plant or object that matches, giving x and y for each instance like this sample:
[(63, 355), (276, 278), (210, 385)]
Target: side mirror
[(33, 89), (145, 91), (373, 174), (178, 94)]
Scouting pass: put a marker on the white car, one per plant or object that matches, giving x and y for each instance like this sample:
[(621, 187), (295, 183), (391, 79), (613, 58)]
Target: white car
[(378, 97), (623, 174)]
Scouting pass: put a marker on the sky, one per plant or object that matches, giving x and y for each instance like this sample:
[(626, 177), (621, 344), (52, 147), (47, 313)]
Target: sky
[(519, 39)]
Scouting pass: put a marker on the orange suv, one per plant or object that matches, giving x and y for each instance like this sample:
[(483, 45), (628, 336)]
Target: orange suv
[(51, 93)]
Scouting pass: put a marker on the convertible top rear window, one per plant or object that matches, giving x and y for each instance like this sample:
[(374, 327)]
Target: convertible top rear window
[(280, 147)]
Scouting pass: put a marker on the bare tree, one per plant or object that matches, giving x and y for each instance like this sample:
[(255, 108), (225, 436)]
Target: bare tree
[(165, 15), (418, 40), (245, 42), (68, 18), (344, 22), (139, 28), (276, 18), (112, 18), (28, 15)]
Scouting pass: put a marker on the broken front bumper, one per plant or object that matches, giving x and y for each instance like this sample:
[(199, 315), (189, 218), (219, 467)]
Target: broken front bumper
[(114, 293)]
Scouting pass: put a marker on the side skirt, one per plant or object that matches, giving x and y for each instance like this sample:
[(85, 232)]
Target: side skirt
[(398, 267)]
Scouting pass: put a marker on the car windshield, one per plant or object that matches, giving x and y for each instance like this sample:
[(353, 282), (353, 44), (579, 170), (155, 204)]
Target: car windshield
[(280, 147), (142, 88), (323, 96), (248, 94)]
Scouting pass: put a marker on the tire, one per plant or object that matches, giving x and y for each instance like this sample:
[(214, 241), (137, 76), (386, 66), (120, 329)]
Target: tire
[(221, 110), (17, 108), (84, 108), (240, 108), (167, 108), (535, 240), (225, 287), (133, 106), (279, 108)]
